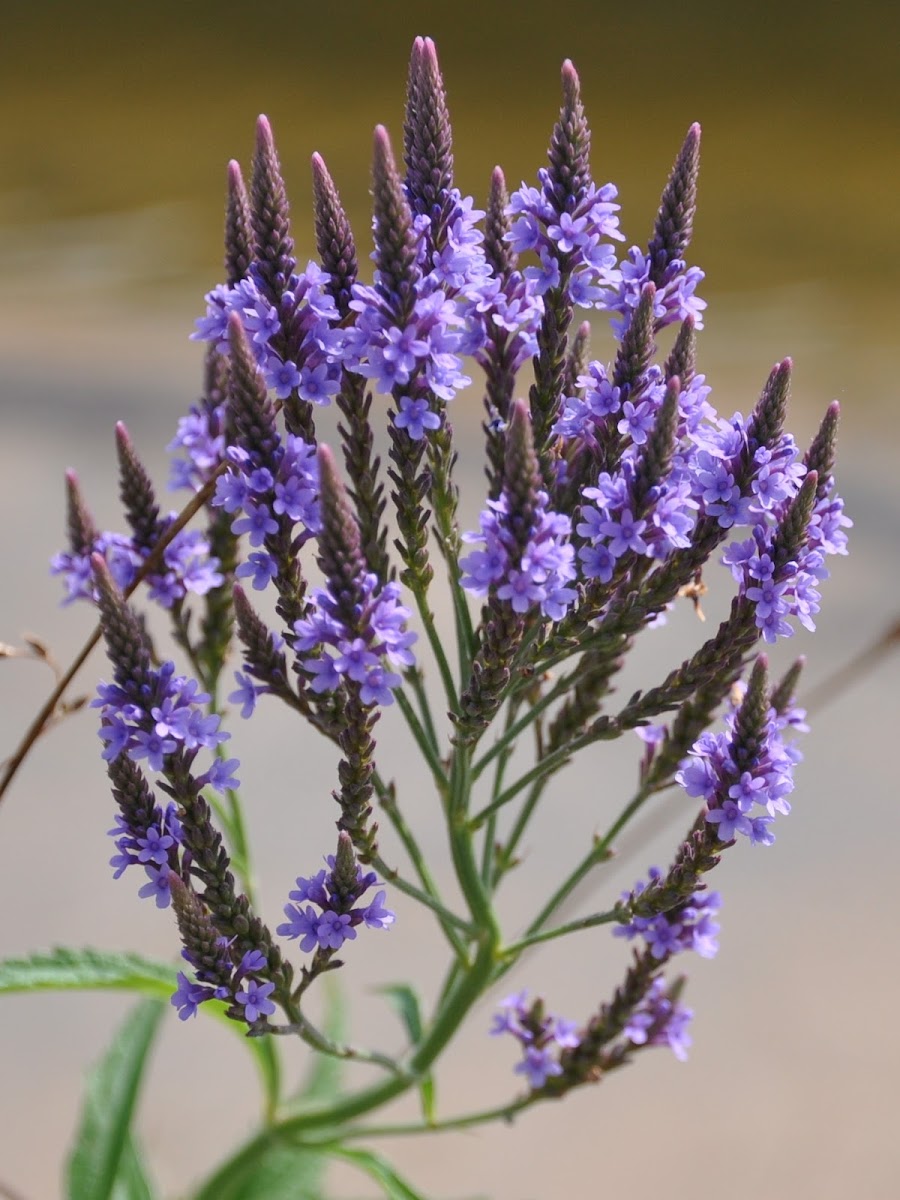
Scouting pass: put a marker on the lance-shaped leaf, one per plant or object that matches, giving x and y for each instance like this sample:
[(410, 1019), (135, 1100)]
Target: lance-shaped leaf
[(64, 969), (103, 1146)]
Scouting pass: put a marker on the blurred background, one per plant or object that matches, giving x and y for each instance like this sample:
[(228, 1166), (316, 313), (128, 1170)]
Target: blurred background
[(115, 126)]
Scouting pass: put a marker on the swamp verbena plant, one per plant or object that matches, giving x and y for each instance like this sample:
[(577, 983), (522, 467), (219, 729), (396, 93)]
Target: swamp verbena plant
[(611, 487)]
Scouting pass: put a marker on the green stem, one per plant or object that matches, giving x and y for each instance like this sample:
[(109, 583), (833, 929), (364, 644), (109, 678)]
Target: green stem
[(510, 735), (504, 1112), (423, 741), (599, 852), (413, 677), (506, 857), (514, 949), (437, 649), (545, 767), (313, 1037), (394, 878)]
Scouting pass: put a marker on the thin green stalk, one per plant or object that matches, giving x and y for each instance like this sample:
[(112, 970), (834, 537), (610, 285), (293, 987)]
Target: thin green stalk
[(423, 741), (414, 678), (437, 649), (392, 810), (600, 851), (412, 848), (490, 833), (510, 735), (504, 1112), (300, 1026), (514, 949), (516, 833), (395, 879), (546, 766)]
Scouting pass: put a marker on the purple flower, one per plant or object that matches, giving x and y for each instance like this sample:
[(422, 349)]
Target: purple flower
[(415, 417), (254, 998), (322, 914), (158, 887)]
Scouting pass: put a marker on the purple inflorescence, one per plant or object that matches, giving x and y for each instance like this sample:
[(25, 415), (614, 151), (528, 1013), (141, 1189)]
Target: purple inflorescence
[(675, 298), (539, 578), (200, 439), (190, 994), (779, 591), (324, 915), (297, 347), (744, 799), (153, 846), (572, 244), (540, 1035), (379, 641), (187, 567), (690, 926), (266, 492), (421, 352), (660, 1021), (154, 720)]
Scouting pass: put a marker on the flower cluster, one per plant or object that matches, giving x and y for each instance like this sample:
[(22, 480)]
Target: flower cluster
[(658, 1020), (612, 526), (779, 590), (735, 787), (675, 298), (252, 995), (187, 566), (536, 578), (378, 640), (153, 845), (540, 1035), (571, 240), (689, 926), (611, 486), (295, 343), (200, 445), (325, 911), (265, 491), (157, 717)]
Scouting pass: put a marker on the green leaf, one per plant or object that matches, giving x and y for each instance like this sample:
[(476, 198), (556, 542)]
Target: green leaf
[(406, 1001), (274, 1172), (103, 1139), (380, 1170), (131, 1182), (64, 969)]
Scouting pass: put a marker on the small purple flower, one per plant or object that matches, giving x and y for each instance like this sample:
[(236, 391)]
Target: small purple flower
[(158, 887), (244, 694), (415, 417), (254, 998)]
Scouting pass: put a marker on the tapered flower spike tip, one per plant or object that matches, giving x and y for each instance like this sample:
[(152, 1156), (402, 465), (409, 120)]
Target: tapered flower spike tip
[(238, 226), (137, 493), (675, 219), (571, 85), (767, 421), (80, 525), (820, 455), (274, 249), (395, 243), (340, 555), (334, 237), (383, 153), (498, 251), (427, 138)]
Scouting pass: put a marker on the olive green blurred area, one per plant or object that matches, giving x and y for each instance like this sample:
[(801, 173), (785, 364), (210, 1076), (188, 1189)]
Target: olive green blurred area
[(110, 108)]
